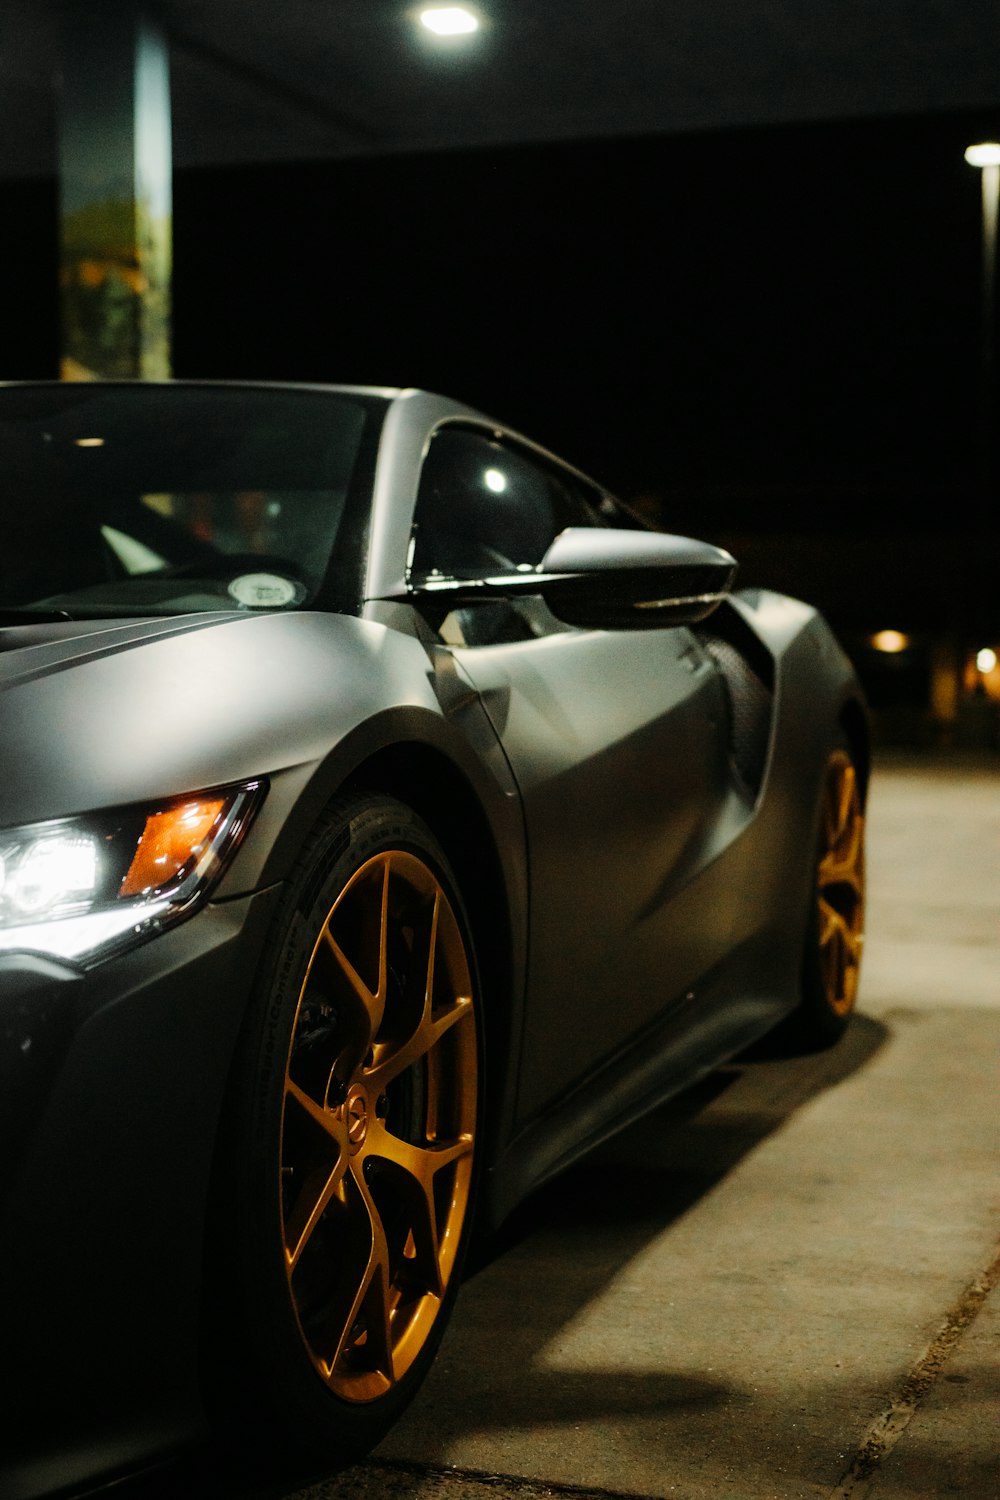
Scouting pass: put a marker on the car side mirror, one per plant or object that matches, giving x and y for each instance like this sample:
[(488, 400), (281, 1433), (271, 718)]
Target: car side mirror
[(632, 579), (599, 578)]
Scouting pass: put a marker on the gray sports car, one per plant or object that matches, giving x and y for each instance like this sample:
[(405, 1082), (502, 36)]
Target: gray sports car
[(386, 817)]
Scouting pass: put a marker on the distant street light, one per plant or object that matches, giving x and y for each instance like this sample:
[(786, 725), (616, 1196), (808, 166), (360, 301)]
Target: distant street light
[(986, 156), (980, 600), (890, 641)]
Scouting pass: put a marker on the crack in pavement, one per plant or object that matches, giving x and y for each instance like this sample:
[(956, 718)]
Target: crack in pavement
[(888, 1427), (464, 1484)]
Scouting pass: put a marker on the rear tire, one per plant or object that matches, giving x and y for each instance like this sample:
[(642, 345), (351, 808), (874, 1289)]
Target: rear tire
[(346, 1171), (835, 930)]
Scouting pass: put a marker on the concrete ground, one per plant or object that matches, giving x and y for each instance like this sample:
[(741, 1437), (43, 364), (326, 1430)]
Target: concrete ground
[(783, 1286)]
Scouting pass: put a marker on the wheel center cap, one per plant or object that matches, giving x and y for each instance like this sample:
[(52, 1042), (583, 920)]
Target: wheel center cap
[(356, 1115)]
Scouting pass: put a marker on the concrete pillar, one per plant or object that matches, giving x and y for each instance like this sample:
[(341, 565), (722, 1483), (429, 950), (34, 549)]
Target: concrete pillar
[(115, 194)]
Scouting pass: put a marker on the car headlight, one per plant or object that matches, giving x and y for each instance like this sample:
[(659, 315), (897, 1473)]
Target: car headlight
[(84, 888)]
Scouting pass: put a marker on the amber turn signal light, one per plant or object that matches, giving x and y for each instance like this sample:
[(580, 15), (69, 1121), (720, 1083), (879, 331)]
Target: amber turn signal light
[(170, 840)]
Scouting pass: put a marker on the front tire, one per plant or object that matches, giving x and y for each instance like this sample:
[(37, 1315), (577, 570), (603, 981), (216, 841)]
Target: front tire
[(350, 1144)]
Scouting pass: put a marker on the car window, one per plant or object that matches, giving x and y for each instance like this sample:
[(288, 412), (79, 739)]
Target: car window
[(485, 508), (134, 500)]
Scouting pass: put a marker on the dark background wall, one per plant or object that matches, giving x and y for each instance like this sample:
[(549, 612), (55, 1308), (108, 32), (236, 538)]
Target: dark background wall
[(778, 308)]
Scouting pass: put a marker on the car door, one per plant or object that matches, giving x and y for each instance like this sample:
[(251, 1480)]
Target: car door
[(617, 741)]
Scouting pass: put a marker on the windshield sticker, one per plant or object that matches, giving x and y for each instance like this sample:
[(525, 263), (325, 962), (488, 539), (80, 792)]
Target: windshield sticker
[(265, 591)]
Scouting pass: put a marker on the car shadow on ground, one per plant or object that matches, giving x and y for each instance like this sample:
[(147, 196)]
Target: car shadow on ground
[(655, 1170)]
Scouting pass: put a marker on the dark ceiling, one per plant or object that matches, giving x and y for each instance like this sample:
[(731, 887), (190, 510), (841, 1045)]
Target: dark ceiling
[(326, 79)]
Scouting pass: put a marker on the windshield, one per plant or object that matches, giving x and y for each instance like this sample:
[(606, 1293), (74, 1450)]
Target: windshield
[(144, 500)]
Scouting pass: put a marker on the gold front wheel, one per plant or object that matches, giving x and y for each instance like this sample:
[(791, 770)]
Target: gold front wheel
[(348, 1158), (378, 1124)]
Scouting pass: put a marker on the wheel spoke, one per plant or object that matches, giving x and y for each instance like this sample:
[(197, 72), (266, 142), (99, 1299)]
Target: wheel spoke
[(836, 947), (322, 1179), (370, 1004), (841, 866), (391, 1060), (831, 976), (327, 1122), (834, 926), (829, 919), (840, 945), (845, 800), (422, 1163), (314, 1198), (361, 990), (414, 1170), (844, 862), (370, 1303), (393, 1057), (854, 942)]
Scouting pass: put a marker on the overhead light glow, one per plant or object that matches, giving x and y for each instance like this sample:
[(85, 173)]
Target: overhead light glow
[(891, 641), (449, 20), (985, 154), (89, 442), (986, 659), (495, 481)]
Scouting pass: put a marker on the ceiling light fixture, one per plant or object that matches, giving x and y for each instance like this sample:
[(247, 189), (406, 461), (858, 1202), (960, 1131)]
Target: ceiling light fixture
[(984, 154), (449, 20)]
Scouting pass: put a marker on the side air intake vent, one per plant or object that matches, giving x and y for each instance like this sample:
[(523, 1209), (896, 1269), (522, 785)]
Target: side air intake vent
[(748, 674)]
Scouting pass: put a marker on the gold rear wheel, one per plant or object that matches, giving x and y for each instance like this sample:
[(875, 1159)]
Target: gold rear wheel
[(378, 1125), (840, 884)]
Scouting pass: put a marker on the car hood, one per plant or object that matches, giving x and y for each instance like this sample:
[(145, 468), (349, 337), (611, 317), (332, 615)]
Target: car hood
[(34, 650), (105, 713)]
